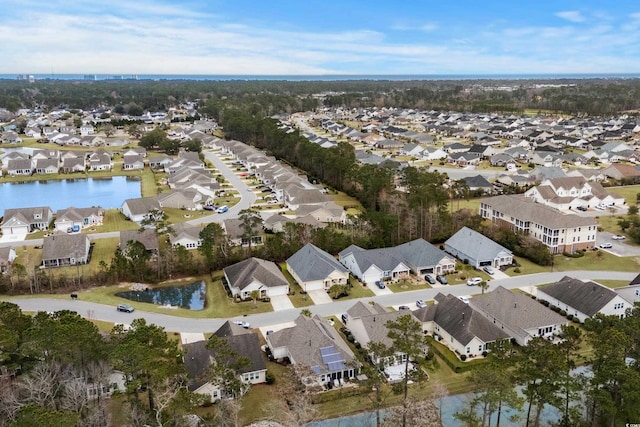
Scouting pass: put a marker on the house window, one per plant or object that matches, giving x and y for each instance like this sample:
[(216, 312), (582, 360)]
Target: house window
[(468, 350), (618, 306)]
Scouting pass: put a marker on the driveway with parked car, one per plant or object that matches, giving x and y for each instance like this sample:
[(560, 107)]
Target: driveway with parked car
[(616, 244)]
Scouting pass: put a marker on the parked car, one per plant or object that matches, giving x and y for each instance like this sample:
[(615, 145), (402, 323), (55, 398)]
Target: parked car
[(403, 307), (380, 284), (222, 209), (420, 303), (618, 237), (429, 279), (605, 245), (209, 208), (488, 269), (601, 207), (242, 323), (125, 308), (582, 208), (464, 299), (443, 280), (474, 281)]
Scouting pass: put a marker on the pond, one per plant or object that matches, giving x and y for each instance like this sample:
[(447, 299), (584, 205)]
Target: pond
[(107, 193), (191, 297)]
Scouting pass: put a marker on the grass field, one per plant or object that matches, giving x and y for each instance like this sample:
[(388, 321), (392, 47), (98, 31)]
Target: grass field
[(592, 260)]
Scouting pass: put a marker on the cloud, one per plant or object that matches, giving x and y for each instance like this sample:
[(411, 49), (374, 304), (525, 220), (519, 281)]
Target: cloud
[(571, 15)]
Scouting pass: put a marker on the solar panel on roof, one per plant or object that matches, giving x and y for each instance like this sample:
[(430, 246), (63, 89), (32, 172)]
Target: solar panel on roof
[(316, 370), (336, 366), (332, 358), (327, 350)]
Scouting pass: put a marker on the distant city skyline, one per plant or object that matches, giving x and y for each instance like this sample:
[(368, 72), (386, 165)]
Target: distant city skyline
[(222, 37)]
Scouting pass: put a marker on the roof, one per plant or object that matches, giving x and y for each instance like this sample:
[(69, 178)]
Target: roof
[(419, 253), (477, 181), (586, 297), (463, 322), (514, 309), (475, 245), (312, 263), (375, 326), (65, 246), (527, 209), (148, 237), (305, 342), (234, 227), (360, 309), (27, 215), (76, 214), (245, 272)]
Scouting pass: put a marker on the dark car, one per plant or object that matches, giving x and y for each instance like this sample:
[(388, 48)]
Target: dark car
[(209, 208), (581, 208), (440, 278), (126, 308), (380, 284), (429, 279)]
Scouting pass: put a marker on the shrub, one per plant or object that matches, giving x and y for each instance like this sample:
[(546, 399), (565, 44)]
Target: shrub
[(270, 378), (516, 270), (484, 353), (463, 357), (569, 316), (562, 313)]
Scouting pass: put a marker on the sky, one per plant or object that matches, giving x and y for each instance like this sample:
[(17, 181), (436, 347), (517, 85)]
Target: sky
[(319, 37)]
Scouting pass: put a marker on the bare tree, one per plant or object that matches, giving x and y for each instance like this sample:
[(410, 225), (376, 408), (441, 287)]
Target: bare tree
[(164, 394), (416, 413), (42, 386)]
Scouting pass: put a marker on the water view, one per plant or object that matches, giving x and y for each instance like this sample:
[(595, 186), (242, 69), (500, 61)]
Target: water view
[(81, 193), (191, 297)]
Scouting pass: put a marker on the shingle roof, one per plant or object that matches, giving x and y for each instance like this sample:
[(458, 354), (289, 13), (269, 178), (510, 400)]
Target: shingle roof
[(148, 237), (65, 246), (243, 273), (526, 209), (419, 253), (475, 245), (586, 297), (515, 309), (464, 323), (312, 263)]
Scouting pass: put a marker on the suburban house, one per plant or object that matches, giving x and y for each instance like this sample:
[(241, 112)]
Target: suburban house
[(559, 232), (148, 237), (326, 212), (19, 167), (46, 166), (368, 323), (583, 299), (521, 317), (571, 192), (100, 161), (198, 358), (459, 326), (372, 265), (139, 209), (180, 199), (25, 220), (477, 249), (133, 162), (255, 274), (65, 249), (315, 269), (314, 344), (7, 256), (630, 293), (185, 235), (276, 223), (478, 183), (234, 228), (77, 218), (422, 257)]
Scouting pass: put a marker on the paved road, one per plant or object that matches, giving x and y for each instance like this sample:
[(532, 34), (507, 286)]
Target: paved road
[(619, 247), (181, 324)]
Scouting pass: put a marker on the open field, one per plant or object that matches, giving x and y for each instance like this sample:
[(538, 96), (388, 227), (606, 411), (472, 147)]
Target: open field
[(592, 260)]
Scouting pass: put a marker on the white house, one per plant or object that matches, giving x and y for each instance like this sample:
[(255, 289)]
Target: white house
[(315, 269), (255, 274)]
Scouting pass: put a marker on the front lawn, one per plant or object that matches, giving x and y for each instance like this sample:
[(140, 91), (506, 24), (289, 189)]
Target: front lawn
[(407, 285), (592, 260)]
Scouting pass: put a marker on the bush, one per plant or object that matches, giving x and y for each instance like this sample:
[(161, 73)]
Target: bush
[(569, 316), (516, 270), (545, 303), (463, 357), (270, 378), (562, 313), (484, 353)]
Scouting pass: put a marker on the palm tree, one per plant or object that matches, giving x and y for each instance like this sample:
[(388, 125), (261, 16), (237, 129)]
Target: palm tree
[(484, 286), (255, 294)]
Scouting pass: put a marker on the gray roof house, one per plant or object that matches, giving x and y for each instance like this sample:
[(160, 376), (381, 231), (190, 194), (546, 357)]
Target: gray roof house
[(314, 343), (518, 315), (65, 249), (315, 269), (80, 217), (422, 257), (459, 326), (23, 220), (139, 209), (186, 235), (148, 237), (478, 249), (255, 274), (630, 293), (233, 227), (198, 358), (584, 299), (373, 265)]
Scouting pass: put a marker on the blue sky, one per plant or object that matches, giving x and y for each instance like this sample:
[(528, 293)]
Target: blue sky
[(319, 37)]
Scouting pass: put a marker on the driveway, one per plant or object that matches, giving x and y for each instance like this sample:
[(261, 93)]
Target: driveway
[(320, 297), (379, 292), (191, 337), (13, 237), (281, 302)]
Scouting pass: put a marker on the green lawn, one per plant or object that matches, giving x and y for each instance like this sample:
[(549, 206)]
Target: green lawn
[(407, 285), (614, 283), (593, 260), (298, 299), (629, 192), (113, 220)]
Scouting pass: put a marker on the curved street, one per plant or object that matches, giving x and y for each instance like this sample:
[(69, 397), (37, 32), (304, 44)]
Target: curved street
[(183, 324)]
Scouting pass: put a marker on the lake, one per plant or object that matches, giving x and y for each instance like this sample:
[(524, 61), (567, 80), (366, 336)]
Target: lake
[(191, 297), (81, 193)]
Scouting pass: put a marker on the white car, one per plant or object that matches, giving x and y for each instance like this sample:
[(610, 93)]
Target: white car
[(488, 269), (605, 245), (474, 281), (420, 303), (617, 237), (242, 323)]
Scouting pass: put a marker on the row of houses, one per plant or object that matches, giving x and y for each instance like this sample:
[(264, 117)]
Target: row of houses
[(55, 161), (25, 220)]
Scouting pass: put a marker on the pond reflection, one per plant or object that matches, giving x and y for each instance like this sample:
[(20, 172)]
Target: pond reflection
[(191, 297)]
